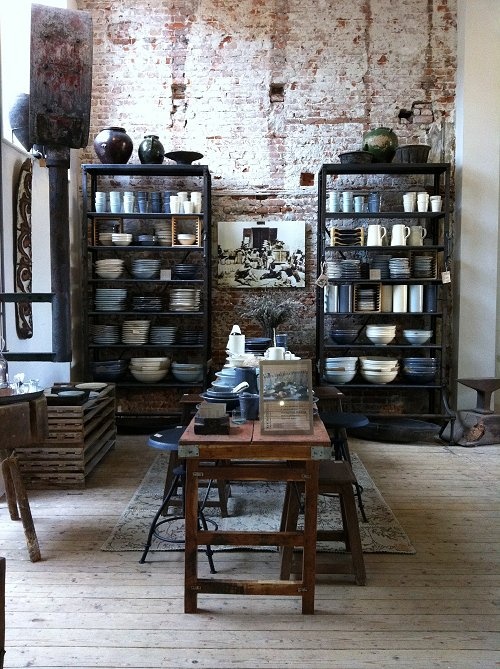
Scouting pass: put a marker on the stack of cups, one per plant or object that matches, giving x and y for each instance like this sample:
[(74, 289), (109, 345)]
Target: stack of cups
[(182, 195), (333, 202), (101, 201), (436, 202), (374, 202), (400, 298), (347, 201), (142, 201), (187, 206), (155, 200), (128, 202), (166, 202), (196, 200), (423, 201), (359, 204), (409, 201), (174, 204), (115, 201)]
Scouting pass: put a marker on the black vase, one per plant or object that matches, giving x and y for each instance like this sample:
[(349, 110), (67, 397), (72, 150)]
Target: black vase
[(151, 150), (113, 146)]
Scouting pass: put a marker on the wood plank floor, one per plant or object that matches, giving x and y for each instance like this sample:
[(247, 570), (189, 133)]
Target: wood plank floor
[(81, 607)]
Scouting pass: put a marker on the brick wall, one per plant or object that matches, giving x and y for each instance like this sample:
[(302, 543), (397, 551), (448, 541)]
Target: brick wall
[(268, 90)]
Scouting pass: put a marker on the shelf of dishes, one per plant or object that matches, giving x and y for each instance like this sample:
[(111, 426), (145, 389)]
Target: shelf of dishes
[(145, 268), (363, 202), (378, 297), (147, 202), (176, 231), (380, 370), (149, 370)]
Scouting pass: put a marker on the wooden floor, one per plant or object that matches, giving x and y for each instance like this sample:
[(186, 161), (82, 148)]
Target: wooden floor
[(81, 607)]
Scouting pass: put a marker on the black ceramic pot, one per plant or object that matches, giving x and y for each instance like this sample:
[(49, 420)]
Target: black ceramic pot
[(151, 150), (113, 146)]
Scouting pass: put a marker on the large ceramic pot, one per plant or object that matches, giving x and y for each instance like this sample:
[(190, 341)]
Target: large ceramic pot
[(151, 150), (381, 143), (113, 146)]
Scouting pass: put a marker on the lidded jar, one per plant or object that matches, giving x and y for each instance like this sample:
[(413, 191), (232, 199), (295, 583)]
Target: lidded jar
[(151, 150), (113, 146)]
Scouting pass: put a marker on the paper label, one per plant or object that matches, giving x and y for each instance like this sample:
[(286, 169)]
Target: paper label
[(446, 277)]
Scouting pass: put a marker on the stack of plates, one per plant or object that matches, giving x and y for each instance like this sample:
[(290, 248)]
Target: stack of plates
[(109, 370), (366, 299), (351, 269), (187, 372), (145, 268), (399, 268), (110, 268), (162, 334), (147, 303), (381, 262), (334, 269), (105, 334), (351, 237), (185, 299), (423, 267), (135, 332), (110, 299), (185, 271), (190, 337), (163, 230)]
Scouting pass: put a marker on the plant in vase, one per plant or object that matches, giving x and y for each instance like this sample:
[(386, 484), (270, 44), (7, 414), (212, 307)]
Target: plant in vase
[(271, 309)]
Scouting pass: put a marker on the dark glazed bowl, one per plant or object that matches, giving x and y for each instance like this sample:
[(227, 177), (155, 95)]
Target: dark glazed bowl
[(183, 157), (412, 153), (355, 157)]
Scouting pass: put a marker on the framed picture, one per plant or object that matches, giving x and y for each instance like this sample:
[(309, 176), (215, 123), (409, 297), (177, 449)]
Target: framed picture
[(261, 255), (286, 397)]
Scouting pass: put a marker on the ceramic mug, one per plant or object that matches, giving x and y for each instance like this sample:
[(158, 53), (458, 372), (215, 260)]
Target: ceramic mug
[(376, 234), (275, 353), (399, 235)]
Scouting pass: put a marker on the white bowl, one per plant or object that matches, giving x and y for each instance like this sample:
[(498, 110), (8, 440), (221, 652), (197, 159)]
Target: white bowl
[(373, 376), (377, 362), (380, 338), (186, 240), (340, 377), (417, 336), (149, 376)]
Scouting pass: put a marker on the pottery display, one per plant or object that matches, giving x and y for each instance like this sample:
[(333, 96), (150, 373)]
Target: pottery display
[(381, 143), (113, 146), (151, 150), (183, 157)]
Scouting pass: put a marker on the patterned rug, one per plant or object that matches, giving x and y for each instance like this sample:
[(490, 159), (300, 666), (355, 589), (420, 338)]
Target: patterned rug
[(256, 506)]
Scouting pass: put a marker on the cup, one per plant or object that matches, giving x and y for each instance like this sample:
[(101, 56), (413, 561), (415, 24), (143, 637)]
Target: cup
[(115, 201), (196, 200), (275, 353), (416, 298), (422, 201), (182, 195), (333, 202), (359, 204), (347, 201), (376, 234), (374, 201), (417, 235), (237, 418), (249, 406), (155, 202), (101, 201), (188, 207), (409, 201), (400, 298), (282, 340), (399, 234), (142, 202), (128, 203), (174, 204), (436, 202)]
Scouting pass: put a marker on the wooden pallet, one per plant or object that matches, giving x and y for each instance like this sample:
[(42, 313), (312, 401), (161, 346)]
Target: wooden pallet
[(78, 438)]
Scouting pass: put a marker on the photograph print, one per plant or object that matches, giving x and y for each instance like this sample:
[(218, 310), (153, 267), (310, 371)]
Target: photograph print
[(261, 255)]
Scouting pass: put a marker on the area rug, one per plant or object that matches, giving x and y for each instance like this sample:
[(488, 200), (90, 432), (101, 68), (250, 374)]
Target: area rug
[(255, 506)]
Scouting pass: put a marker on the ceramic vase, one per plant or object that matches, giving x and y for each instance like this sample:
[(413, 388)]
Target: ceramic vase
[(381, 143), (151, 150), (113, 146)]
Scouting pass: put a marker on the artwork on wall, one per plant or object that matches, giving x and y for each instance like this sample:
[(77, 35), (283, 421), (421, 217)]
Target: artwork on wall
[(261, 255)]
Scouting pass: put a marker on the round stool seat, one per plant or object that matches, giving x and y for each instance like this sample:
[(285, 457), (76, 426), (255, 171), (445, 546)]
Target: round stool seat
[(342, 419), (166, 440)]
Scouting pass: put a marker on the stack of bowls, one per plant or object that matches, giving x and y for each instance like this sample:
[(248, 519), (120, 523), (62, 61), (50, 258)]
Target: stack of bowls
[(420, 370), (147, 240), (220, 394), (105, 238), (109, 268), (109, 370), (121, 238), (149, 370), (340, 370), (225, 377), (379, 369), (417, 337), (145, 268), (187, 372), (344, 336), (163, 231), (380, 334)]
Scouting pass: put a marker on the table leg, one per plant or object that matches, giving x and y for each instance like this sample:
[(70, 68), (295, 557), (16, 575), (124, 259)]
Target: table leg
[(310, 524), (191, 541)]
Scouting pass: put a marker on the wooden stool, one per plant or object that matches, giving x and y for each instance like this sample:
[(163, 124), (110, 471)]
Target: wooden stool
[(335, 478), (337, 423)]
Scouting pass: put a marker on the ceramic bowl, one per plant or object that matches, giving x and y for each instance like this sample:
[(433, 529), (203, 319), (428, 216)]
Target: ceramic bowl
[(149, 376), (186, 240), (373, 376)]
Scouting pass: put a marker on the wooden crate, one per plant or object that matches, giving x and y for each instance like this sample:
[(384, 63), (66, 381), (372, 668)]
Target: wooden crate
[(78, 438)]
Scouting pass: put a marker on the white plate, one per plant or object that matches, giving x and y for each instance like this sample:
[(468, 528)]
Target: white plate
[(91, 386)]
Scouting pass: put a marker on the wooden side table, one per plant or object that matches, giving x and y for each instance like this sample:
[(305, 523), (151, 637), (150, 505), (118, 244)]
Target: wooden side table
[(248, 455)]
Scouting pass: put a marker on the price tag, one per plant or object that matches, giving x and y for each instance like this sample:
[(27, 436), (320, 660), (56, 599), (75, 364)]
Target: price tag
[(446, 277)]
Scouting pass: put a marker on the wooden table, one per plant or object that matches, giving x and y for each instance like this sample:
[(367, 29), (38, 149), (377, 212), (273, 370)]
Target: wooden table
[(248, 455)]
